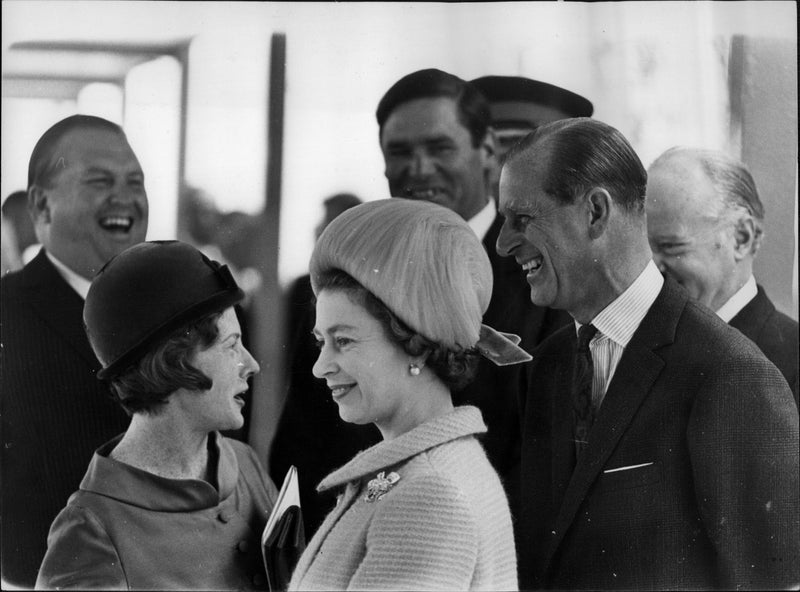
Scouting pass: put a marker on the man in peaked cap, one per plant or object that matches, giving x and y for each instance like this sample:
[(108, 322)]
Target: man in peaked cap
[(519, 105)]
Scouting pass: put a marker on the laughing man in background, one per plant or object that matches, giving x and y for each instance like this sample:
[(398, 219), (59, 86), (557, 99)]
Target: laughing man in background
[(87, 199)]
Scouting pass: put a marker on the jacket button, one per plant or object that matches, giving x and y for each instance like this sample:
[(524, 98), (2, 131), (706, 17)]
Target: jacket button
[(243, 546), (225, 516)]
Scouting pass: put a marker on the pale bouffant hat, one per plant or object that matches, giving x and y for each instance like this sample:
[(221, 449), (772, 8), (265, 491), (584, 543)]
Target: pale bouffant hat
[(423, 262)]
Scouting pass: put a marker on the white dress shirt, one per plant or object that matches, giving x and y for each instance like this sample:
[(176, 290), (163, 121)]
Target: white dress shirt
[(482, 221), (78, 283), (616, 324), (738, 301)]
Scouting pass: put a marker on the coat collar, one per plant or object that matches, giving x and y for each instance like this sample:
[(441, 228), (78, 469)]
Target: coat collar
[(40, 273), (56, 303), (483, 220), (462, 421), (129, 485), (638, 369), (752, 318)]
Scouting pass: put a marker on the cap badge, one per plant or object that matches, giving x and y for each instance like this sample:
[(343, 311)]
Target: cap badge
[(380, 485)]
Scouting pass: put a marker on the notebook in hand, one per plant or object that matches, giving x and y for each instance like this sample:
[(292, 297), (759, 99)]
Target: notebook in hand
[(283, 539)]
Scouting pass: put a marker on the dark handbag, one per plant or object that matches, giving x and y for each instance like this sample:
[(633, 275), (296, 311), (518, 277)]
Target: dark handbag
[(283, 548)]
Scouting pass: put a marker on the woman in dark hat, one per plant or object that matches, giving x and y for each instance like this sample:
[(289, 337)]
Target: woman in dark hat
[(169, 504), (401, 288)]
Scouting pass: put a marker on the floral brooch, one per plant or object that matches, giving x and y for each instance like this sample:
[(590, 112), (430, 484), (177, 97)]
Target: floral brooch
[(380, 485)]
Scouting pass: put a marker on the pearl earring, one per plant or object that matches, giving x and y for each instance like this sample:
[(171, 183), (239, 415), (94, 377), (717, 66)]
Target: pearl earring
[(413, 369)]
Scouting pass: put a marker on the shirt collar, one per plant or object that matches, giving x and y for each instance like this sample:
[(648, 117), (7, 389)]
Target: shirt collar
[(619, 320), (462, 421), (79, 284), (482, 221), (120, 481), (739, 300)]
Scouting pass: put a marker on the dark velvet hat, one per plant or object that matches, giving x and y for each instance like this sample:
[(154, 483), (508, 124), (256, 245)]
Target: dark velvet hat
[(145, 293)]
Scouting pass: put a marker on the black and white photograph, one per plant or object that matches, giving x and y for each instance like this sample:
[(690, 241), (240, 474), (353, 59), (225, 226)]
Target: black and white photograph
[(399, 295)]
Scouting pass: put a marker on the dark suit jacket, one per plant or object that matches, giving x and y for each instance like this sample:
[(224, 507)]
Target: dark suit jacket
[(54, 410), (311, 435), (774, 333), (715, 428)]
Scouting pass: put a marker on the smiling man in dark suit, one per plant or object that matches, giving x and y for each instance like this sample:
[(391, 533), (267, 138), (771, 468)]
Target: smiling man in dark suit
[(660, 446), (87, 199), (705, 222)]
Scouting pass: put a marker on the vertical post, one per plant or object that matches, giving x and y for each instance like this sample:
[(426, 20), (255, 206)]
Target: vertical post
[(736, 90), (268, 330), (762, 80), (182, 55)]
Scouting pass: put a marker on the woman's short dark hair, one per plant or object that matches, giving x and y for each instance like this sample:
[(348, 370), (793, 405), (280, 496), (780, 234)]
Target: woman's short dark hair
[(146, 386), (455, 368)]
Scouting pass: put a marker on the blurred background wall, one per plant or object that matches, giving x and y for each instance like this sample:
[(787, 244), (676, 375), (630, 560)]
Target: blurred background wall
[(660, 72)]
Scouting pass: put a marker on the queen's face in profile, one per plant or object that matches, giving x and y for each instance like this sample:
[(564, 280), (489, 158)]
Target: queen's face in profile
[(366, 372)]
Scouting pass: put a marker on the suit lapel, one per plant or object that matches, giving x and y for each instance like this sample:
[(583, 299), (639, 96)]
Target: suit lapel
[(633, 379), (563, 447), (57, 304), (752, 318)]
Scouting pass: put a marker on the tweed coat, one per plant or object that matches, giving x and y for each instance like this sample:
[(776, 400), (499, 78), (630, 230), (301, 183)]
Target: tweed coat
[(311, 435), (690, 476), (55, 412), (443, 525), (774, 333)]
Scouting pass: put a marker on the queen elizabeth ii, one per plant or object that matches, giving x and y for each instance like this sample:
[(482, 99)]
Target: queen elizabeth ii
[(401, 288)]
